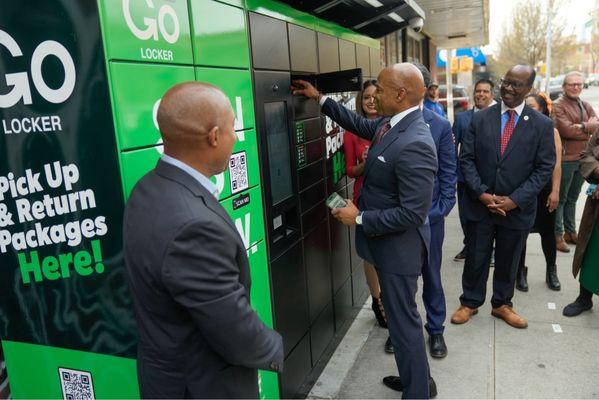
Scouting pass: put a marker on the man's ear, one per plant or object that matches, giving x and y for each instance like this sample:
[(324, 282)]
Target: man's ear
[(213, 136)]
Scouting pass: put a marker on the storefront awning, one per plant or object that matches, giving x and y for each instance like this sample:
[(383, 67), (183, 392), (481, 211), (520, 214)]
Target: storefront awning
[(374, 18), (454, 24)]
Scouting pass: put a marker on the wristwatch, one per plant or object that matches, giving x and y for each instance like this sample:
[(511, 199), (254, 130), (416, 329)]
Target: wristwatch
[(359, 218)]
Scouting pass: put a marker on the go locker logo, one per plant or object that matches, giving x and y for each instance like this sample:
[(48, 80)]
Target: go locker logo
[(157, 23), (19, 81)]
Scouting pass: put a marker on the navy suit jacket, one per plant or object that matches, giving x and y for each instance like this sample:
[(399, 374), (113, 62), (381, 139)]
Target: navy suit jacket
[(444, 191), (520, 173), (460, 126), (397, 190)]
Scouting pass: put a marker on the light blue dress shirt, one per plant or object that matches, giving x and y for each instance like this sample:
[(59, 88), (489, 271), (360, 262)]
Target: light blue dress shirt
[(198, 176), (505, 116)]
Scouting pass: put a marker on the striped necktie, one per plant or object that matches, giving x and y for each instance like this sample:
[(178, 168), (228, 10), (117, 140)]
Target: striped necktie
[(381, 133)]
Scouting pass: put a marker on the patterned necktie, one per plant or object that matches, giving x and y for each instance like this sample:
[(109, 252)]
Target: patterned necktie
[(381, 134), (508, 130)]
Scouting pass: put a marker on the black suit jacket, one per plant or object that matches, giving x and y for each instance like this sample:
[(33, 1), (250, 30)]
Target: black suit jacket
[(520, 173), (189, 275), (397, 190)]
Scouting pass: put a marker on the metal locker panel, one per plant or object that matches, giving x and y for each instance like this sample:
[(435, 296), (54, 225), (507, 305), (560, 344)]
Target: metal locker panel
[(340, 259), (343, 304), (310, 174), (363, 59), (312, 196), (313, 217), (316, 256), (270, 49), (290, 297), (322, 332), (375, 62), (297, 367), (302, 49), (359, 286), (347, 54), (328, 53), (308, 130)]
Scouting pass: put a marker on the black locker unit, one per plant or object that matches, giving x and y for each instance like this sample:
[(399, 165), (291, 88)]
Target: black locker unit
[(309, 252)]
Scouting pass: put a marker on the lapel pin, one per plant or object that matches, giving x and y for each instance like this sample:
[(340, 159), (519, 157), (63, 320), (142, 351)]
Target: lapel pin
[(526, 118)]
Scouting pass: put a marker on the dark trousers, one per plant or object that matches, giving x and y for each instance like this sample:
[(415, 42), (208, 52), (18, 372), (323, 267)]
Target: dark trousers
[(405, 329), (461, 193), (508, 248), (432, 291), (544, 225)]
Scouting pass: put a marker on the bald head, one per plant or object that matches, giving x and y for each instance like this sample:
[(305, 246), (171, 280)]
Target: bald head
[(189, 111), (400, 87), (196, 123)]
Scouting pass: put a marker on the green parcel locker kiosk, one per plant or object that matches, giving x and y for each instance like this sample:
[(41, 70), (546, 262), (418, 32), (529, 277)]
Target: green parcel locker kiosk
[(80, 85)]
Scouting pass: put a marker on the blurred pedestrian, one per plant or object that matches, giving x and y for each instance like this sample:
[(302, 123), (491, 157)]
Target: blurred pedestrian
[(431, 101), (356, 151), (507, 157), (586, 255), (547, 201), (187, 265), (576, 121), (483, 98)]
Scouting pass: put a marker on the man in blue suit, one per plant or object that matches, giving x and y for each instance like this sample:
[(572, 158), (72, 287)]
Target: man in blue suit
[(483, 98), (444, 198), (391, 218), (507, 157)]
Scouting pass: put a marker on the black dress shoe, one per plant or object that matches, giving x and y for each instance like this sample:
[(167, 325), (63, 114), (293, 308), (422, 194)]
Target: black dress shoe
[(394, 382), (461, 256), (576, 308), (437, 346), (521, 281), (389, 346)]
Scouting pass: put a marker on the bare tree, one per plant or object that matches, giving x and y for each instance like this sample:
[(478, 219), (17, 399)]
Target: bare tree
[(525, 40)]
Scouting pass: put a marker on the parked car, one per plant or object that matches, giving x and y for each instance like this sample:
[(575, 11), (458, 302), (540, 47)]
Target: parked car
[(461, 100), (592, 80), (555, 87)]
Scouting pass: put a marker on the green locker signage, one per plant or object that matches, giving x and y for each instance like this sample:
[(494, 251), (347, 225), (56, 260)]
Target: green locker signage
[(136, 92), (147, 30), (219, 34), (65, 312)]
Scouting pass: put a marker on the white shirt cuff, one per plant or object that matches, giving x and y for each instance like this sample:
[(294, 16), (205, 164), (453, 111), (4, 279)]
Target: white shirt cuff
[(322, 100)]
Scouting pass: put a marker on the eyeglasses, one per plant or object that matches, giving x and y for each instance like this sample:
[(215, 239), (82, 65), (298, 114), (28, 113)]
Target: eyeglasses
[(515, 85), (573, 85)]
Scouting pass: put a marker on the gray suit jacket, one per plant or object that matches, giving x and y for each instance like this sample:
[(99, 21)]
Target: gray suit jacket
[(190, 280)]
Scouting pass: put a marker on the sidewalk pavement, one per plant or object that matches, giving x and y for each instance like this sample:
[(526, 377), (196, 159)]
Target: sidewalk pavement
[(555, 357)]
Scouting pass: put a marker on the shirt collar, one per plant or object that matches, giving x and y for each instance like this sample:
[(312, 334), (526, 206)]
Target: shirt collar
[(398, 117), (518, 109), (197, 175)]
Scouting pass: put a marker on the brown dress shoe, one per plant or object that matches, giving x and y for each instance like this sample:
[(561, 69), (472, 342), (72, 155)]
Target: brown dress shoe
[(571, 237), (510, 316), (561, 245), (462, 315)]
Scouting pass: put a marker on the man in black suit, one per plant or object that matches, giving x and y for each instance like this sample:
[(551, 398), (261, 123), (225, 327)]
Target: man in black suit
[(507, 157), (187, 265), (392, 230)]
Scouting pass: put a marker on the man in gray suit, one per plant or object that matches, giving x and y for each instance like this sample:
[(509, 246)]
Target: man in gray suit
[(187, 265)]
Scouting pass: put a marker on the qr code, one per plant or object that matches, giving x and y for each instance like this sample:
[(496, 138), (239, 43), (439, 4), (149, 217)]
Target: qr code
[(76, 385), (238, 170)]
